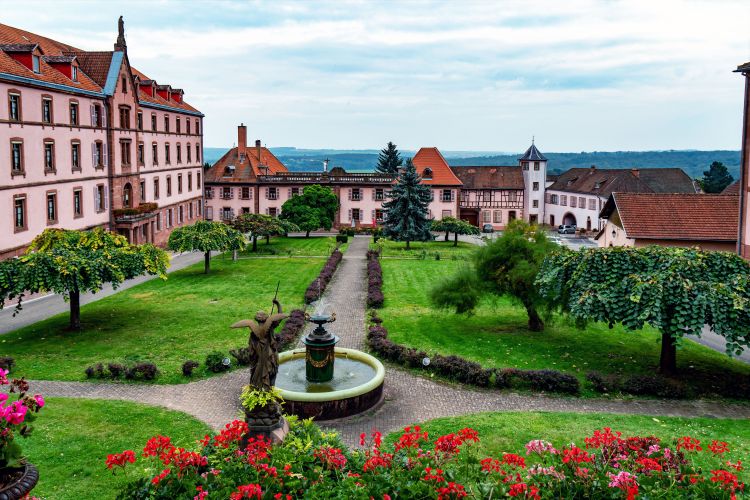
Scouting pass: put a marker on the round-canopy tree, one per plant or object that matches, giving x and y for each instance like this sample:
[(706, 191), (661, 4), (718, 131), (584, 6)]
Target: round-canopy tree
[(455, 226), (675, 290), (205, 236), (260, 225), (405, 216), (70, 262), (315, 208), (507, 266)]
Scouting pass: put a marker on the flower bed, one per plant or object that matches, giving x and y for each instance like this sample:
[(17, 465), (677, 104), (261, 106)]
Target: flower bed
[(319, 284), (315, 465), (469, 372), (374, 280)]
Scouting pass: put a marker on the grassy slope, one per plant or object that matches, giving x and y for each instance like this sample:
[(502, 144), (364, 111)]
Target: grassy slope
[(322, 246), (166, 322), (509, 432), (496, 336), (72, 438)]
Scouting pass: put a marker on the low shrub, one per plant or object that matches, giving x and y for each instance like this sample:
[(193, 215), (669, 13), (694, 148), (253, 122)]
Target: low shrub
[(7, 363), (319, 284), (342, 238), (375, 296), (652, 385), (215, 362), (115, 371), (549, 381), (315, 465), (188, 367), (145, 371), (290, 332), (604, 383), (242, 355), (96, 371)]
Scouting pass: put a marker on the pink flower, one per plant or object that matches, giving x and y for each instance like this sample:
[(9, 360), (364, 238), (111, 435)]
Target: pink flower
[(3, 398), (654, 448), (539, 446), (4, 377), (15, 413), (39, 400)]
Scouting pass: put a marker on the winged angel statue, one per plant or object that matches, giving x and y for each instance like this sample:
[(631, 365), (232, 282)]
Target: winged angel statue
[(264, 358)]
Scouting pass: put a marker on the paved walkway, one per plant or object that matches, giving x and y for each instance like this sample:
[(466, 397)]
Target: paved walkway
[(408, 398)]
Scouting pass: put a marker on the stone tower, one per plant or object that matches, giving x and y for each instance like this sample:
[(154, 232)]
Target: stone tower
[(534, 166)]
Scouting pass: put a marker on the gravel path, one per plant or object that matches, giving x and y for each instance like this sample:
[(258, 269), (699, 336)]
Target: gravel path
[(408, 398)]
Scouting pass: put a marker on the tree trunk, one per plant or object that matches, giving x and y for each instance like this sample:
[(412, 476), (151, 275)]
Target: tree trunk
[(207, 261), (234, 255), (307, 234), (455, 239), (535, 322), (268, 239), (446, 236), (255, 243), (668, 359), (75, 310), (407, 244)]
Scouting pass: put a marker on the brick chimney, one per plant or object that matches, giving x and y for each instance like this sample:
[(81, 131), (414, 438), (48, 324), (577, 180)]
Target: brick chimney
[(242, 140), (257, 147), (636, 173), (593, 167)]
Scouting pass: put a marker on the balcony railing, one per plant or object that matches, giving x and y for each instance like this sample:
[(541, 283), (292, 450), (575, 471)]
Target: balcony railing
[(326, 178)]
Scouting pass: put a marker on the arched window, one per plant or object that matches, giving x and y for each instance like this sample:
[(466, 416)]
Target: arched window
[(427, 173), (127, 195)]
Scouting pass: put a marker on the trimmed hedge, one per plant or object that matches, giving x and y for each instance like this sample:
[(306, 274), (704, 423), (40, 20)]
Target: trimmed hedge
[(319, 284), (291, 330), (375, 296), (637, 385), (469, 372), (115, 371)]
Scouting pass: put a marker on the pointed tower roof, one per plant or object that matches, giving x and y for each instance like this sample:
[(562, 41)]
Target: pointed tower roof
[(532, 154)]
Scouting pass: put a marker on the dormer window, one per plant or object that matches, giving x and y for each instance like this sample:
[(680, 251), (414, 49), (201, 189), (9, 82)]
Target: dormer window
[(35, 64), (74, 73), (427, 174)]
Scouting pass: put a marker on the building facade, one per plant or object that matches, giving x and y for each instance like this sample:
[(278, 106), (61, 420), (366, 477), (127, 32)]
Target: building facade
[(82, 133), (708, 221), (491, 195)]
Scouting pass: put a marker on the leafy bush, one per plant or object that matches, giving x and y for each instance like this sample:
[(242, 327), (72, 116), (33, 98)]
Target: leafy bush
[(145, 371), (549, 381), (314, 465), (7, 363), (96, 371), (319, 284), (215, 362), (242, 355), (188, 367), (651, 385), (604, 383), (375, 296), (291, 330), (341, 238), (115, 371)]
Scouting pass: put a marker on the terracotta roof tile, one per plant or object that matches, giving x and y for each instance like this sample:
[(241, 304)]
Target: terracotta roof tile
[(247, 171), (604, 181), (676, 216), (732, 189), (490, 177), (94, 64), (442, 175)]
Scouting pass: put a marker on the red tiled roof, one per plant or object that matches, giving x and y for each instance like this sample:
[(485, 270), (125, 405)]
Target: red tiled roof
[(246, 171), (676, 216), (732, 189), (94, 64), (490, 177), (604, 181), (442, 175)]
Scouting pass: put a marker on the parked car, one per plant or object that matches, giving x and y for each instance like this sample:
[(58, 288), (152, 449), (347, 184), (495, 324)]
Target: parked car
[(566, 229), (487, 228)]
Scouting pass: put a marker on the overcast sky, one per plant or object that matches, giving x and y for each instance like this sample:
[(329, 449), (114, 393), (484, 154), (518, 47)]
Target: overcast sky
[(578, 75)]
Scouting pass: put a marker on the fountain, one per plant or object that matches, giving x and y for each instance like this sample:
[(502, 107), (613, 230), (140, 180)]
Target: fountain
[(323, 393)]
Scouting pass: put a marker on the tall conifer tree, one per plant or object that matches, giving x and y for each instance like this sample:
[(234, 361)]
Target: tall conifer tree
[(389, 160), (406, 209)]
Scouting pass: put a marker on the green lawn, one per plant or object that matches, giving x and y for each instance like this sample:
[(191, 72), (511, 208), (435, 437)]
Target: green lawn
[(497, 336), (510, 431), (426, 249), (285, 246), (166, 322), (72, 438)]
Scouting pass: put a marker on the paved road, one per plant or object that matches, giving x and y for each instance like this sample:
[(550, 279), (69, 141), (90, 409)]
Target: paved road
[(44, 307), (408, 398)]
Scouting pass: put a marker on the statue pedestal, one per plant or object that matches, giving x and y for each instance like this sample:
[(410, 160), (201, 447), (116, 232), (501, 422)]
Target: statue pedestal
[(266, 422)]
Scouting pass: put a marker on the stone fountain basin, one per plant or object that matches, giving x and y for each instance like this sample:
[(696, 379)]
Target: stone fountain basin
[(335, 403)]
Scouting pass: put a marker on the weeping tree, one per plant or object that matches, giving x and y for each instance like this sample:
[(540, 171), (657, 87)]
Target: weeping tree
[(675, 290), (70, 262), (455, 226), (508, 267), (262, 226), (205, 236), (405, 217)]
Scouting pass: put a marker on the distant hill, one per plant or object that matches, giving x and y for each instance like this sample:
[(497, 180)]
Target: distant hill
[(692, 162)]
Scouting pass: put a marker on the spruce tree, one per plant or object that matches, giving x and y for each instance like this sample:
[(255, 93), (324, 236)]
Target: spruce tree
[(716, 178), (405, 217), (389, 160)]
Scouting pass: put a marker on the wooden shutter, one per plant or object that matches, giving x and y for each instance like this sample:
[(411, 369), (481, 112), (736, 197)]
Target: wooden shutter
[(106, 205), (96, 198), (350, 215), (105, 155)]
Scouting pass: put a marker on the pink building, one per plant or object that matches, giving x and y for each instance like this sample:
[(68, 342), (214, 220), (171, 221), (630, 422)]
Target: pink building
[(252, 180), (743, 243), (92, 142)]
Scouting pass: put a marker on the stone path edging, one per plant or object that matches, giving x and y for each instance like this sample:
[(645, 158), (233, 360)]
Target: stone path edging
[(408, 398)]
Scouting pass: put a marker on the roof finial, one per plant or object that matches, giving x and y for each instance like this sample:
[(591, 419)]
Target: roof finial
[(532, 140), (120, 44)]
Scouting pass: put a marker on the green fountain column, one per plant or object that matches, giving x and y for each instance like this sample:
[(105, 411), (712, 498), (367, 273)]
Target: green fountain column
[(319, 347)]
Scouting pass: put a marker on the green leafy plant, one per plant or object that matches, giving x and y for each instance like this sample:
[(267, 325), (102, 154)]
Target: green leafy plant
[(455, 226), (315, 208), (206, 236), (252, 397), (217, 362)]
